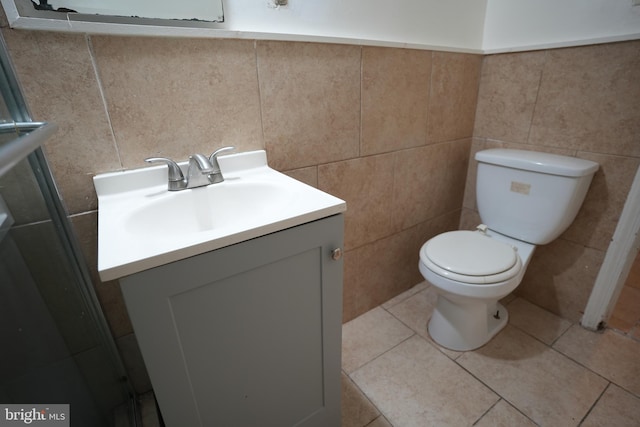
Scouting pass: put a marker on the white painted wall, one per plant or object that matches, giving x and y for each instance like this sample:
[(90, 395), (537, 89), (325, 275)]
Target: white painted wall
[(479, 26), (456, 24), (533, 24)]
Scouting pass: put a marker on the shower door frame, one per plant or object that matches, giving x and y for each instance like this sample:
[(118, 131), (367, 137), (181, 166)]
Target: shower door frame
[(617, 262)]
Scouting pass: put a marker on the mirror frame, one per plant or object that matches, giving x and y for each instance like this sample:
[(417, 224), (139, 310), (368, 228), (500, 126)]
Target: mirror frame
[(22, 15)]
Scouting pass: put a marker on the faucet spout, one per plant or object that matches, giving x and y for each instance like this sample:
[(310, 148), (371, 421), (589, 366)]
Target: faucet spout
[(200, 170), (202, 163)]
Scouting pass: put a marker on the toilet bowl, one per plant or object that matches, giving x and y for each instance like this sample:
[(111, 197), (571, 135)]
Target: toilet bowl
[(525, 198), (471, 271)]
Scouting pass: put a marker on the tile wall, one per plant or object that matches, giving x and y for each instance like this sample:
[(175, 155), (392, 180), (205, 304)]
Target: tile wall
[(583, 102), (388, 130)]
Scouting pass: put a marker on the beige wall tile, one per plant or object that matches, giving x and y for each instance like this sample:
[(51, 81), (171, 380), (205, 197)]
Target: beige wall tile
[(560, 277), (376, 272), (456, 177), (454, 94), (597, 219), (307, 175), (175, 97), (59, 84), (395, 93), (507, 95), (469, 219), (366, 184), (417, 188), (589, 99), (310, 100), (477, 144), (382, 270), (109, 293), (429, 181), (350, 286)]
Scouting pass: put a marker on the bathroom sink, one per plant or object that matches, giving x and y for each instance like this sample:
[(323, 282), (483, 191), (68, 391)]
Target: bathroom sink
[(142, 225), (179, 213)]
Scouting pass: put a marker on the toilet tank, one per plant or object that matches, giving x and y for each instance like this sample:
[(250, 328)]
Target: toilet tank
[(528, 195)]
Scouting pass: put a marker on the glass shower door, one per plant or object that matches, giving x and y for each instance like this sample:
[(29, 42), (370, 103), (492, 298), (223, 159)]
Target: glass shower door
[(55, 347)]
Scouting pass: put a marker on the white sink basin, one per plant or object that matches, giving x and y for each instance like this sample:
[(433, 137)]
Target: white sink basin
[(206, 208), (142, 225)]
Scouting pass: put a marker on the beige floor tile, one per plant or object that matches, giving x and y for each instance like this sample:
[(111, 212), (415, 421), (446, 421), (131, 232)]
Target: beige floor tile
[(415, 312), (547, 387), (540, 323), (415, 385), (380, 422), (611, 355), (406, 294), (617, 408), (504, 415), (370, 335), (357, 410)]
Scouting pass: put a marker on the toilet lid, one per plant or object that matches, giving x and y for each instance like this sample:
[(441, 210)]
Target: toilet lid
[(471, 253)]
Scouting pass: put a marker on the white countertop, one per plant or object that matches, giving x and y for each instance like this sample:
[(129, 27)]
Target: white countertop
[(142, 225)]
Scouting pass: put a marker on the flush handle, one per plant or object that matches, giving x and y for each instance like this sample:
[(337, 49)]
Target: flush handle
[(336, 254)]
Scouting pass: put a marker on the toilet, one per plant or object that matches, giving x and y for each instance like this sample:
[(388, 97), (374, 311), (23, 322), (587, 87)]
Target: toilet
[(525, 199)]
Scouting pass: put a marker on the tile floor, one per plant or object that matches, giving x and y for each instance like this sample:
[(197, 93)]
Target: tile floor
[(540, 370)]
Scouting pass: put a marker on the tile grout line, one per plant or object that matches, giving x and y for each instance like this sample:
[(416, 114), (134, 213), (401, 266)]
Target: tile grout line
[(501, 397), (487, 411), (594, 404), (365, 396), (384, 352), (103, 97)]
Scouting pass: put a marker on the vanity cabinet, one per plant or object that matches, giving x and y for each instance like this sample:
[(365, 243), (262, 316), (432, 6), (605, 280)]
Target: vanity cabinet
[(246, 335)]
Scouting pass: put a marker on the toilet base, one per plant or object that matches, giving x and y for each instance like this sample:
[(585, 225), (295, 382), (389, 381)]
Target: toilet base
[(466, 324)]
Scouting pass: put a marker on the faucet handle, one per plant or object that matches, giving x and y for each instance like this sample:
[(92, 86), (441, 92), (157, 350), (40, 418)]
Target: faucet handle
[(176, 178), (175, 173), (213, 158)]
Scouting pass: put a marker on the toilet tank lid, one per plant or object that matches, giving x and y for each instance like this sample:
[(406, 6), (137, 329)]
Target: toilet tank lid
[(536, 161)]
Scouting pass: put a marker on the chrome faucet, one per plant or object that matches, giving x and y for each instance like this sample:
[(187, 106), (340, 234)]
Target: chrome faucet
[(199, 171), (202, 171)]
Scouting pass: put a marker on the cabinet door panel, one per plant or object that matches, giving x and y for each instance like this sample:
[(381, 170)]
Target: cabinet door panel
[(251, 345), (247, 335)]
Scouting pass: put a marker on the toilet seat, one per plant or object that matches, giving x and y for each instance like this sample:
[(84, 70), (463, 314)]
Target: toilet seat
[(470, 257)]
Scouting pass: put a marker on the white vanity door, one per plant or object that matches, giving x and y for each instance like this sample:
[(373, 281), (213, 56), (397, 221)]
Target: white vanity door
[(248, 335)]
